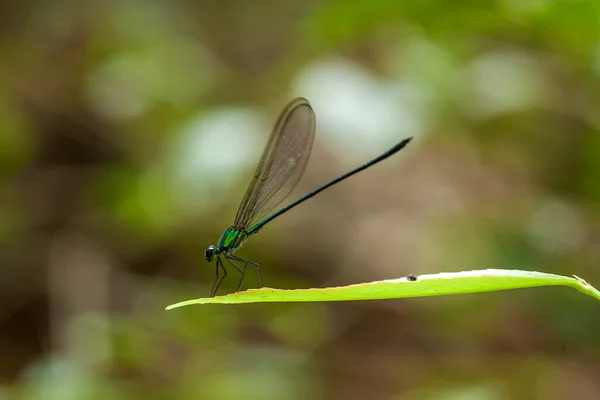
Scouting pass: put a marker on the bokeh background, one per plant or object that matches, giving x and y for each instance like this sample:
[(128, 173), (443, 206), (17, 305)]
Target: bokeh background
[(129, 131)]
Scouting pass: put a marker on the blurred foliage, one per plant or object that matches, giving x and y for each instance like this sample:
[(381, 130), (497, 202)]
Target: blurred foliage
[(129, 131)]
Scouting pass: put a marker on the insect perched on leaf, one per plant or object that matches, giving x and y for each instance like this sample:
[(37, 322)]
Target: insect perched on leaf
[(278, 171)]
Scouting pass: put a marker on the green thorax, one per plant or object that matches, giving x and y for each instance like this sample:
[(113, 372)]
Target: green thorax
[(231, 240)]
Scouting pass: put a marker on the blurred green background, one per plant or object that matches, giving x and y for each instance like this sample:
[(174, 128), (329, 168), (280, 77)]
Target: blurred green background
[(129, 131)]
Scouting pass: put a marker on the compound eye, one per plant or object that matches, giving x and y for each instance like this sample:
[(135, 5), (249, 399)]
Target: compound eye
[(210, 253)]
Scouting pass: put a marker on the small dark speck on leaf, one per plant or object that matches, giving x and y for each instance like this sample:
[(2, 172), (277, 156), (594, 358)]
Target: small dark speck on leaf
[(411, 277)]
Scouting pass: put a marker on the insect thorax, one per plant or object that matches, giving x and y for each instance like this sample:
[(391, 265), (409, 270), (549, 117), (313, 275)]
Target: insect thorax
[(231, 240)]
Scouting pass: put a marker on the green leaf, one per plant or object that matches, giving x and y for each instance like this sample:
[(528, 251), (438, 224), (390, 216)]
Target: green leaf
[(487, 280)]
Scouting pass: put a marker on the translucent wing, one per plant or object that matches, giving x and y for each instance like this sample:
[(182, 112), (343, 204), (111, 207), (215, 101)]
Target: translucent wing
[(281, 165)]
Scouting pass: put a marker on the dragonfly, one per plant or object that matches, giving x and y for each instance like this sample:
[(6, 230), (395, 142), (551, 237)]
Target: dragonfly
[(278, 172)]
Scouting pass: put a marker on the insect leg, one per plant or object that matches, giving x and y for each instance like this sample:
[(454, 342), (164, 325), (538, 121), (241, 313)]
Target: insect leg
[(255, 265), (241, 270), (218, 281)]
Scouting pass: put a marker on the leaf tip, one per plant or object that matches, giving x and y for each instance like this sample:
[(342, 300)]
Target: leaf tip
[(182, 304)]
